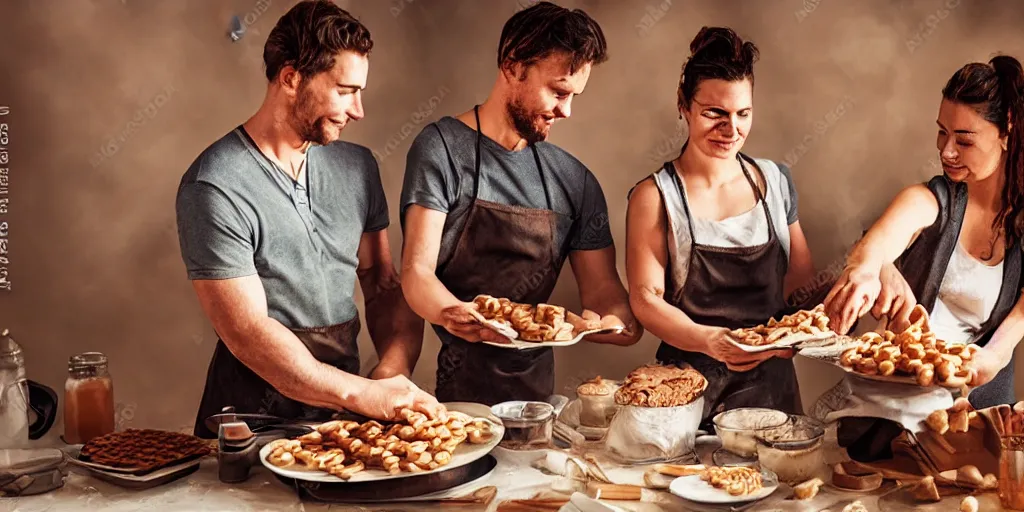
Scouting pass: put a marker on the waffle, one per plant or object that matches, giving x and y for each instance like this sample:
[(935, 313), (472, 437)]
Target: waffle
[(661, 386), (540, 323), (413, 445), (737, 481), (808, 322), (143, 449)]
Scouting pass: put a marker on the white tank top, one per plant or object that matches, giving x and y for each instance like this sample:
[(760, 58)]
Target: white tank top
[(966, 297)]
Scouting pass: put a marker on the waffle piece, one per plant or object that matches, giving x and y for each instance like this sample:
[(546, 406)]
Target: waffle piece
[(661, 386), (143, 449), (737, 481), (414, 444), (540, 323), (812, 322)]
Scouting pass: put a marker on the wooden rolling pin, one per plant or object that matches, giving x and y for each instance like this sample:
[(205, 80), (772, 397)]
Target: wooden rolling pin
[(553, 504), (611, 492), (680, 469), (614, 492)]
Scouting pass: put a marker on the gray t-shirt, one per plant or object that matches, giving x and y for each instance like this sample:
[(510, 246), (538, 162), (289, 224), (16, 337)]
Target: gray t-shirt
[(440, 175), (239, 214)]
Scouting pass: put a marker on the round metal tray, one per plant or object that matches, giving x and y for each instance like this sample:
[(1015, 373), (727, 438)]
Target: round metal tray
[(386, 490)]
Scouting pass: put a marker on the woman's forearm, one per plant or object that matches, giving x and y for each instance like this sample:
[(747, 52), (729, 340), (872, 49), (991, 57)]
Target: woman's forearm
[(667, 322)]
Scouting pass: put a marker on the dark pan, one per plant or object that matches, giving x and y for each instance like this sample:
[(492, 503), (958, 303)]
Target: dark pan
[(391, 490)]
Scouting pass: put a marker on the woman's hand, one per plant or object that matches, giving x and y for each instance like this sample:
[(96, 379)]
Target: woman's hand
[(720, 345), (985, 363), (460, 321), (896, 300), (851, 297)]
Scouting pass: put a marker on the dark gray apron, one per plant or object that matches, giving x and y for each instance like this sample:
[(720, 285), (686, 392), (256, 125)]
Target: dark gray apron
[(503, 251), (230, 382), (924, 265), (734, 287)]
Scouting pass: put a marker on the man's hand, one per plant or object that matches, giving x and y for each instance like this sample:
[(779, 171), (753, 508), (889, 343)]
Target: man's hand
[(460, 321), (590, 321), (384, 399)]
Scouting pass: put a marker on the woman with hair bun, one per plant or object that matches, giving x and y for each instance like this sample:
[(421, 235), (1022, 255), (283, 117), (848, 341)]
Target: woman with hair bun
[(713, 239), (957, 242)]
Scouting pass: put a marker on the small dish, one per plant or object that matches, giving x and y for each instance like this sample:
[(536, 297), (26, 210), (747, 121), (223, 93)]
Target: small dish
[(739, 428), (597, 400), (794, 451), (26, 472), (694, 489), (528, 425)]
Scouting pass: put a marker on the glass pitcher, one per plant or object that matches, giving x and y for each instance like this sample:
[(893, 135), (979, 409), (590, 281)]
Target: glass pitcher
[(27, 409)]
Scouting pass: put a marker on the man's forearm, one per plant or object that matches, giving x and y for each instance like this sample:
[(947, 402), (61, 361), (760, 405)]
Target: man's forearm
[(396, 331), (274, 353), (425, 294)]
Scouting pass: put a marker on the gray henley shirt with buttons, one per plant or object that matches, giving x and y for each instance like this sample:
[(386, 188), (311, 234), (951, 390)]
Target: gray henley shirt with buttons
[(239, 215)]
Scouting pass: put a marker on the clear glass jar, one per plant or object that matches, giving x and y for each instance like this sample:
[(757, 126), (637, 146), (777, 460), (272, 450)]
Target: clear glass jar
[(88, 398), (1011, 473)]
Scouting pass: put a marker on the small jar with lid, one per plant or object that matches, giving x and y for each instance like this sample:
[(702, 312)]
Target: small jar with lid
[(88, 398)]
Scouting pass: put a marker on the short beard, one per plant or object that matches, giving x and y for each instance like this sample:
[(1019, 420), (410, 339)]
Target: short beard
[(522, 121), (310, 130)]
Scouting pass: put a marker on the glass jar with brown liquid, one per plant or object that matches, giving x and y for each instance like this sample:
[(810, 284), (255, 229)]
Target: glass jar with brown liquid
[(1011, 472), (88, 398)]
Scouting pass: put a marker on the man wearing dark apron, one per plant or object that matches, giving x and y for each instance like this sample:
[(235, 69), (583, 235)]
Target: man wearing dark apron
[(276, 221), (489, 208)]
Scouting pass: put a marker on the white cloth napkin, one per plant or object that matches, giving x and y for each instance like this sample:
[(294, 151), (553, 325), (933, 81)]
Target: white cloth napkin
[(905, 404)]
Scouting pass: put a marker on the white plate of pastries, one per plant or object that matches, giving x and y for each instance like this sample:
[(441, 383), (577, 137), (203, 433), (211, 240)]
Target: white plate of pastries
[(528, 326), (725, 484), (914, 356), (348, 451), (792, 330)]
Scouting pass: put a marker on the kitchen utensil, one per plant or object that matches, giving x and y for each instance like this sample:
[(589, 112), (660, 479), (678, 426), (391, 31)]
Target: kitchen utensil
[(24, 472), (518, 344), (88, 398), (129, 480), (739, 428), (416, 485), (27, 409), (694, 489), (794, 451), (1011, 472), (597, 402), (464, 454), (238, 445), (792, 341), (528, 425)]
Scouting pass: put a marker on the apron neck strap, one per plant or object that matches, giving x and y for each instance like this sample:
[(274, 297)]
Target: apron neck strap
[(670, 166), (478, 169)]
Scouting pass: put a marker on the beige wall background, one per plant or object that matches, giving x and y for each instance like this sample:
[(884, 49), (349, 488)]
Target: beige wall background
[(110, 100)]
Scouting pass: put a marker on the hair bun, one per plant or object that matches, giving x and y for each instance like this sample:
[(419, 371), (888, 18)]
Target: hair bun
[(721, 43)]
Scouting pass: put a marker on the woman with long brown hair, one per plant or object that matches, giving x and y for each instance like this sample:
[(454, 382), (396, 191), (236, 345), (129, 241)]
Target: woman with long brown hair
[(957, 238)]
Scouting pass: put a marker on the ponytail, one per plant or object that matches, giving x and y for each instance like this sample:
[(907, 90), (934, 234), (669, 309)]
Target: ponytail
[(1011, 88)]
